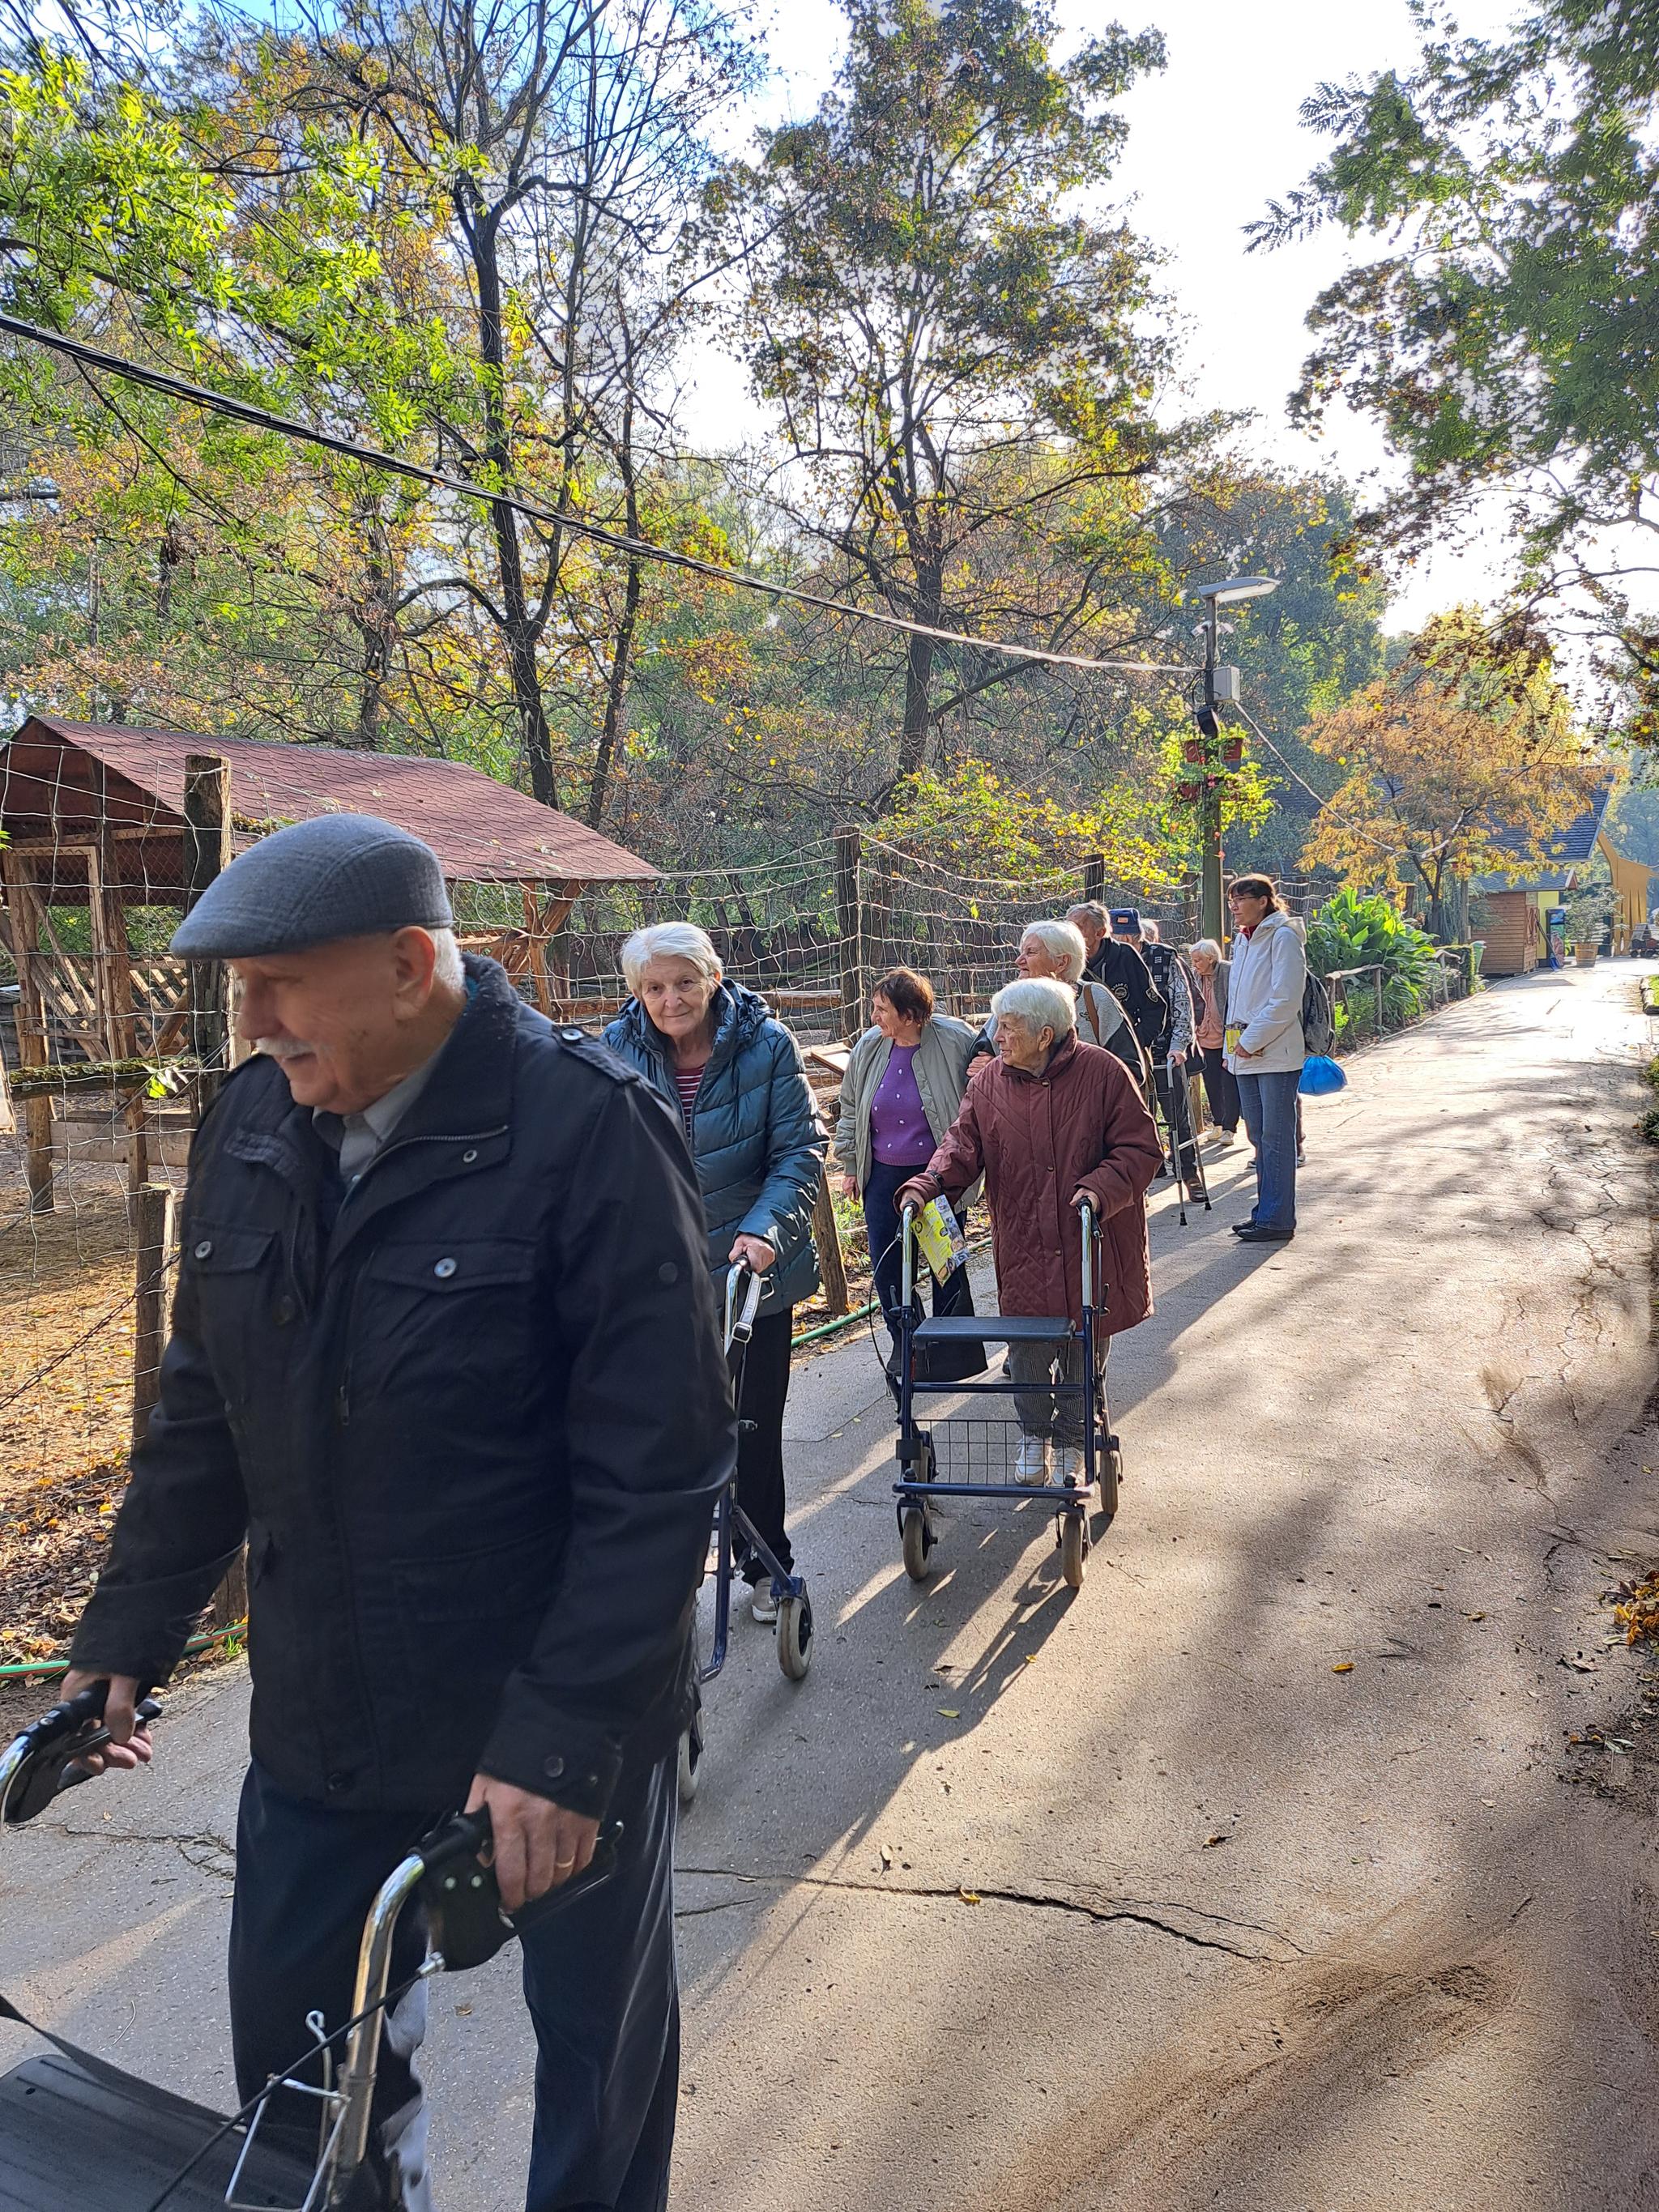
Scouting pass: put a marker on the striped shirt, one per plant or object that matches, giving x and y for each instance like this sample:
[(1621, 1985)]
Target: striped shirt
[(686, 1080)]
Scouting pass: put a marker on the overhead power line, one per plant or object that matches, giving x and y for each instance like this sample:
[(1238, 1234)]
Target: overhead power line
[(638, 549)]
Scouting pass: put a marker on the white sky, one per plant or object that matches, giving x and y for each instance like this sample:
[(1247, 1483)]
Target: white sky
[(1210, 141)]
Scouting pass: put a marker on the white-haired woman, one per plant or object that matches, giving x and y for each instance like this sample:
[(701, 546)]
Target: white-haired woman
[(1210, 1035), (1056, 949), (1053, 1121), (734, 1077)]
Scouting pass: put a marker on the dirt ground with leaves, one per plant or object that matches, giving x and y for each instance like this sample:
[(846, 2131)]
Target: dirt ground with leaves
[(66, 1362)]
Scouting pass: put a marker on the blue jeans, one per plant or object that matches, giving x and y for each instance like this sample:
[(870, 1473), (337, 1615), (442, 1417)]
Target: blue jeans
[(1268, 1105), (599, 1980)]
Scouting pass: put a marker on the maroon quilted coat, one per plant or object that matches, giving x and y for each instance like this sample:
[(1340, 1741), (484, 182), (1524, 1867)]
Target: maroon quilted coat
[(1037, 1139)]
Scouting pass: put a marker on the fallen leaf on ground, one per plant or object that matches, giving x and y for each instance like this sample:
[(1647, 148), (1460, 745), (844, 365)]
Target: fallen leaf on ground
[(1210, 1842), (1343, 1667), (886, 1856), (951, 1712), (971, 1897)]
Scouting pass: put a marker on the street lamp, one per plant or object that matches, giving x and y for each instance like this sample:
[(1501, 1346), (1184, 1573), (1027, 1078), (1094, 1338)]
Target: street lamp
[(1230, 592)]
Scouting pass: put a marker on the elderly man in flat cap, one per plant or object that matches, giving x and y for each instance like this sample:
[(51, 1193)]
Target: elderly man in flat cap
[(445, 1354)]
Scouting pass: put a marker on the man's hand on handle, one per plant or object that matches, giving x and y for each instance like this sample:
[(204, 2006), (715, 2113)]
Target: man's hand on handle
[(537, 1846), (129, 1745)]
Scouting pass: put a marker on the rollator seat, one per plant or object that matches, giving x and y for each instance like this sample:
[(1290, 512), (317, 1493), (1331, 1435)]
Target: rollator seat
[(78, 2135), (992, 1328)]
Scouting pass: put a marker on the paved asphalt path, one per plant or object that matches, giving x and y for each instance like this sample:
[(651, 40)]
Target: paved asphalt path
[(1129, 1897)]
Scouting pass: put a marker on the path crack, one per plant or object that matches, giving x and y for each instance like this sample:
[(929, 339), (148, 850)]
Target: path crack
[(1274, 1950)]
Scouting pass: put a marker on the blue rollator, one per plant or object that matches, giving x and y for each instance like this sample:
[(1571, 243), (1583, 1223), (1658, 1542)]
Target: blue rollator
[(958, 1457), (794, 1632)]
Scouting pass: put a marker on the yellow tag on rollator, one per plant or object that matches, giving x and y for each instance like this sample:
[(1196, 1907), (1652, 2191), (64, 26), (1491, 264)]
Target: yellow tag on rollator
[(940, 1235)]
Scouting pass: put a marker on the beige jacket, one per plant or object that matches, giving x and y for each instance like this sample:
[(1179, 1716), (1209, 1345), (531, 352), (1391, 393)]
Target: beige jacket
[(941, 1072)]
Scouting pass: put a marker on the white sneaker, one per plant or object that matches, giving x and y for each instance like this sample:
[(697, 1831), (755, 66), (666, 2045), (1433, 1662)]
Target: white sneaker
[(1301, 1158), (1068, 1465), (1224, 1137), (763, 1605), (1031, 1461)]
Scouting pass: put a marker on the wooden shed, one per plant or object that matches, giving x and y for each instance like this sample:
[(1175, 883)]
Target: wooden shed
[(94, 870), (1515, 905)]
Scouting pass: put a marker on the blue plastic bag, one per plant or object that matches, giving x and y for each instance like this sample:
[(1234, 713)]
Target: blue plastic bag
[(1320, 1076)]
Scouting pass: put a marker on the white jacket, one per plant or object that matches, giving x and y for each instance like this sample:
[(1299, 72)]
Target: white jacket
[(1264, 997)]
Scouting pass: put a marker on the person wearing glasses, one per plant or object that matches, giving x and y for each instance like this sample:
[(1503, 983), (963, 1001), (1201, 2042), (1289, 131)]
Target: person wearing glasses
[(1264, 1049)]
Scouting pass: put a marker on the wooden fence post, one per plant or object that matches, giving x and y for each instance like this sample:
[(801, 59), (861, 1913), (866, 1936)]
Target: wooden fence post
[(207, 853), (23, 907), (850, 918), (832, 1264), (154, 1203), (1094, 879)]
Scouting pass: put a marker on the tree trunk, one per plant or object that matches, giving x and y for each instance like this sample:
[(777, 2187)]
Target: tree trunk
[(521, 629), (616, 694), (376, 627), (919, 671)]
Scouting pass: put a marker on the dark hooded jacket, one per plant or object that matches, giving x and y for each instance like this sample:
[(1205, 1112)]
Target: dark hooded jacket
[(755, 1137), (473, 1432)]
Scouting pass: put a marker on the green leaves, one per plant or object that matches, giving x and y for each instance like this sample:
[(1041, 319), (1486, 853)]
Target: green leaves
[(1504, 338)]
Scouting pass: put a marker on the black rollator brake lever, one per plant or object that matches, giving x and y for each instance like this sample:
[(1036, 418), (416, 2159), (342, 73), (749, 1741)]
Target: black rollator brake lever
[(49, 1756), (467, 1922)]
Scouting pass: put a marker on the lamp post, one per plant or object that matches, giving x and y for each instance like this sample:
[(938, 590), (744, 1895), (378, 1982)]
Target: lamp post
[(1228, 592)]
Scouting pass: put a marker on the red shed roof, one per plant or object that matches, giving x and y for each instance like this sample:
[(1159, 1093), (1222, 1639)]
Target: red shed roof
[(482, 832)]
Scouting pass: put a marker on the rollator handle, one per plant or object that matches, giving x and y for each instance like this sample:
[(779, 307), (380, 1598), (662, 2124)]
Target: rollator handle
[(743, 1292), (44, 1761), (1086, 1213), (907, 1214), (468, 1922)]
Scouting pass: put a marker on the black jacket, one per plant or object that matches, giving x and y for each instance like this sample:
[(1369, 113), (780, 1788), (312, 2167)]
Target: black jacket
[(474, 1437), (1120, 967)]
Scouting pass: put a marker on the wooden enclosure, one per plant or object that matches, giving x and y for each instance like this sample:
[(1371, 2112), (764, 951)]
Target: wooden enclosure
[(111, 830)]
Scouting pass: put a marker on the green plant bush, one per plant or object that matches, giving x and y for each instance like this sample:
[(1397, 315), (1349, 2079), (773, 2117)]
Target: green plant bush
[(1356, 930)]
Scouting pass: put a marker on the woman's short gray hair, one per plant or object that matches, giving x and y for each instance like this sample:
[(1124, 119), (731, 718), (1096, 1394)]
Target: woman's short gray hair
[(1209, 948), (1041, 1002), (1063, 943), (679, 940)]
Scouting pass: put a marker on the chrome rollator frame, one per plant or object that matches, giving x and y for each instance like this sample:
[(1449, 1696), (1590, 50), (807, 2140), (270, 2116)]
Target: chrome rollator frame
[(920, 1486), (743, 1292)]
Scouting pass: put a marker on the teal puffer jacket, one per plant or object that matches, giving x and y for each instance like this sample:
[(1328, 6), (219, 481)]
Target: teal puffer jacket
[(754, 1135)]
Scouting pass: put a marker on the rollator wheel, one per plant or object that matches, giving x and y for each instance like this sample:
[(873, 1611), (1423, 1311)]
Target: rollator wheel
[(1108, 1463), (690, 1759), (1073, 1549), (795, 1636), (916, 1546)]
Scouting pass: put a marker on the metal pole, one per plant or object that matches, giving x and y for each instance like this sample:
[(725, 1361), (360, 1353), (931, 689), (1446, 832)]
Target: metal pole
[(208, 847), (1210, 801)]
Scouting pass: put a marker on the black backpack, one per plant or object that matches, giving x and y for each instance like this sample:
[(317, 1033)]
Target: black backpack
[(1318, 1015)]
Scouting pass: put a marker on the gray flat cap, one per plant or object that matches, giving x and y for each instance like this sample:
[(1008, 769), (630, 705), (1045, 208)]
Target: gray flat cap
[(342, 875)]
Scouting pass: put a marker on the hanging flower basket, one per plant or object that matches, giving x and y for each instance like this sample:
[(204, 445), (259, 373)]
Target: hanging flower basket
[(1186, 791), (1192, 750), (1232, 750)]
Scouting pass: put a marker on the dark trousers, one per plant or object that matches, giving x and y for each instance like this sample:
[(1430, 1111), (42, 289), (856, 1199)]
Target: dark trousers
[(881, 1226), (760, 1402), (598, 1979), (1178, 1121), (1220, 1088)]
